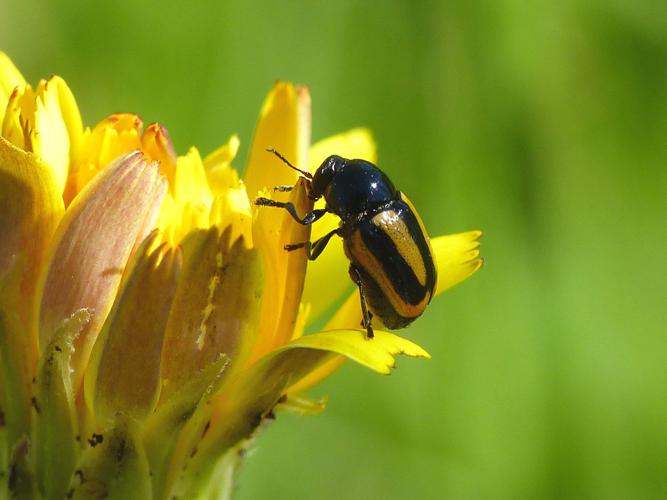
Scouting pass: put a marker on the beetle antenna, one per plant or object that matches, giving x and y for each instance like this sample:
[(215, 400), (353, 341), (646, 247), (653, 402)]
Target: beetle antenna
[(307, 175)]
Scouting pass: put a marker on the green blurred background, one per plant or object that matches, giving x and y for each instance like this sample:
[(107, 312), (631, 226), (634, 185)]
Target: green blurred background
[(542, 123)]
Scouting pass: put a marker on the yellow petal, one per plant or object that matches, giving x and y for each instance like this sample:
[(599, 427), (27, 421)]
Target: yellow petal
[(456, 257), (92, 246), (301, 321), (377, 353), (231, 205), (190, 183), (286, 366), (232, 208), (114, 136), (319, 373), (190, 200), (284, 125), (347, 316), (10, 78), (284, 271), (219, 171), (123, 376), (53, 124), (216, 308), (331, 266), (47, 122), (19, 117), (355, 143), (30, 209), (71, 116)]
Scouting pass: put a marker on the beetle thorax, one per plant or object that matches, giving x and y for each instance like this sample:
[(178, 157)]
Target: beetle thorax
[(352, 187)]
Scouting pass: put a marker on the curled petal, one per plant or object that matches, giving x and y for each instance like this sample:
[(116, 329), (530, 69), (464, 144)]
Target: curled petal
[(92, 246)]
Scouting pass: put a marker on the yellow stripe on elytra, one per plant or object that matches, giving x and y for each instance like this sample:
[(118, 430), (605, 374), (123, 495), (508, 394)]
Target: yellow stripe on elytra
[(394, 227), (369, 263), (419, 220)]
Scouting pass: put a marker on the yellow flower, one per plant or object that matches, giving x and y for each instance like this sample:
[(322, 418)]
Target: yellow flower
[(150, 319)]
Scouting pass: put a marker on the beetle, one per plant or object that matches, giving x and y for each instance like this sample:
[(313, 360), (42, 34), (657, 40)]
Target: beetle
[(385, 240)]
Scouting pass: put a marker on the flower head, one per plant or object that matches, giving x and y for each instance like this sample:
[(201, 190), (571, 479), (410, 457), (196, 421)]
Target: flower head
[(150, 318)]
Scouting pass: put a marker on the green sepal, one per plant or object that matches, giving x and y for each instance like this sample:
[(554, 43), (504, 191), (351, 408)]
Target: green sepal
[(163, 427), (21, 479), (195, 459), (4, 451), (114, 466), (223, 478), (56, 424)]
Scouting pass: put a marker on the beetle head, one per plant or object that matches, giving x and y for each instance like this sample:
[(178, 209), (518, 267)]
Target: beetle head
[(325, 174)]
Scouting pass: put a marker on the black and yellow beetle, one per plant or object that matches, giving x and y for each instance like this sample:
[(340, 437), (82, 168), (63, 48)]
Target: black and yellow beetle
[(385, 240)]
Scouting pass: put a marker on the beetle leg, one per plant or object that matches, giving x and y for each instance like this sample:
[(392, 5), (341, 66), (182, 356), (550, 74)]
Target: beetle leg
[(308, 219), (283, 189), (367, 316), (295, 246), (320, 244), (370, 315), (313, 250)]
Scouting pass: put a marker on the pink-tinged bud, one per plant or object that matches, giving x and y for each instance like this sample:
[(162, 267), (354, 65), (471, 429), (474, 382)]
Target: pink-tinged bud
[(92, 245)]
